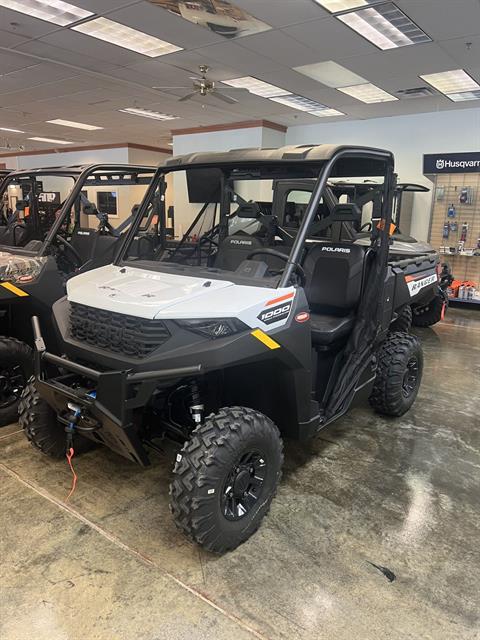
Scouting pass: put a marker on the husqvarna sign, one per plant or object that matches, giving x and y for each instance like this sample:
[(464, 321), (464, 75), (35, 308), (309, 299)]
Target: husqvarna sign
[(451, 163)]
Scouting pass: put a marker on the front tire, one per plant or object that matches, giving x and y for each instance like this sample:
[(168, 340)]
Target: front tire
[(41, 427), (15, 369), (225, 478), (399, 374)]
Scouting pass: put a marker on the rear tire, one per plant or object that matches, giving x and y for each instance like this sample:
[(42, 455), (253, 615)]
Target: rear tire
[(404, 321), (15, 369), (399, 374), (41, 427), (225, 478), (429, 314)]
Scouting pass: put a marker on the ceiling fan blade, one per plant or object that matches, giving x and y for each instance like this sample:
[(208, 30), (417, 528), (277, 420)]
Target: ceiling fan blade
[(171, 87), (223, 97), (189, 96)]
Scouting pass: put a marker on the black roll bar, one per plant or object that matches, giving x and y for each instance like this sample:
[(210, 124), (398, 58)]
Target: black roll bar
[(77, 187), (317, 193)]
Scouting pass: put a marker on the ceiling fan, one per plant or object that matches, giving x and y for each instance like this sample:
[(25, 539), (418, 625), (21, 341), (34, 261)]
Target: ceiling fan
[(202, 86)]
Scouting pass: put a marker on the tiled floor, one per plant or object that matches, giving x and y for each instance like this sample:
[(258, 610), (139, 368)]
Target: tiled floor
[(403, 494)]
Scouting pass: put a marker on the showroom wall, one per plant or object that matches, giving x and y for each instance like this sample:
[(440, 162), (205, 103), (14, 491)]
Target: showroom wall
[(409, 137)]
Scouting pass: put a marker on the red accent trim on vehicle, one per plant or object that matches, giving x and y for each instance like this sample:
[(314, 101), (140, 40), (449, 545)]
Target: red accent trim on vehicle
[(287, 296)]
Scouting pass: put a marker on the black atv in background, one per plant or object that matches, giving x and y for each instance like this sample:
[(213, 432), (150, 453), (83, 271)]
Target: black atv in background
[(232, 341), (49, 230)]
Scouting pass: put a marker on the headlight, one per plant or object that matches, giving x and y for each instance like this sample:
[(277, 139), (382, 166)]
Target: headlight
[(214, 327), (15, 268)]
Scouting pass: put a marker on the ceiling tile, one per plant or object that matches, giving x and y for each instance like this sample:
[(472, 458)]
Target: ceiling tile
[(330, 38), (236, 56), (465, 55), (81, 43), (444, 20), (280, 13), (80, 58), (280, 47), (381, 65), (24, 26)]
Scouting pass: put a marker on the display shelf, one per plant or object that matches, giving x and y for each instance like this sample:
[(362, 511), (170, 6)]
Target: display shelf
[(446, 191), (474, 304)]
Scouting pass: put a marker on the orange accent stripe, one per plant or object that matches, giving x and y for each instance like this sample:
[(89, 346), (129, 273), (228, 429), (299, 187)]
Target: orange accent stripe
[(287, 296), (409, 278)]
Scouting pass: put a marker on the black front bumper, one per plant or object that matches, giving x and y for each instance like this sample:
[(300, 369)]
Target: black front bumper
[(105, 400)]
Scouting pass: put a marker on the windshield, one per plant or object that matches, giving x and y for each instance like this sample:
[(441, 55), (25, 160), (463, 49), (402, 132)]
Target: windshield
[(235, 223)]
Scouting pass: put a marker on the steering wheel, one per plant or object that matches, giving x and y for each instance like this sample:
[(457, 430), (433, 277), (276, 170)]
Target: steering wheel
[(278, 254), (77, 260), (212, 242), (367, 226)]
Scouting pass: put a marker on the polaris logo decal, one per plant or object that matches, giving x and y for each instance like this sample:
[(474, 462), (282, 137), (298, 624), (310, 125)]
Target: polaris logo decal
[(336, 249), (414, 286), (275, 314), (246, 242)]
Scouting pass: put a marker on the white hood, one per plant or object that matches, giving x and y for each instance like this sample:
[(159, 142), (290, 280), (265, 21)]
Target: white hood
[(146, 294), (138, 292)]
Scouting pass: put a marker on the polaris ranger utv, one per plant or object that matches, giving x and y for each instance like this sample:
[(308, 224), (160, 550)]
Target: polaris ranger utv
[(45, 237), (227, 342), (289, 204)]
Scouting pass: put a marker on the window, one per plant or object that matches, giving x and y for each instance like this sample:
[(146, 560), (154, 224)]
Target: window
[(107, 202)]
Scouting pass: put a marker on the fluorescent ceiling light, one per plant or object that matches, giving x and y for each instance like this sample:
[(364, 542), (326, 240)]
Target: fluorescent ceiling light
[(146, 113), (11, 130), (257, 87), (368, 93), (385, 26), (126, 37), (331, 74), (307, 105), (74, 125), (52, 140), (56, 11), (462, 97), (300, 103), (326, 113), (335, 6), (451, 82)]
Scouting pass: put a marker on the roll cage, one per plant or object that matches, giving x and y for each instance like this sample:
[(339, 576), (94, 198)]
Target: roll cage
[(83, 176), (317, 163)]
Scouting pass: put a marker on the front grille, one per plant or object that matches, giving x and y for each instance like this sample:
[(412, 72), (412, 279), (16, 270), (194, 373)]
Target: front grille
[(128, 335)]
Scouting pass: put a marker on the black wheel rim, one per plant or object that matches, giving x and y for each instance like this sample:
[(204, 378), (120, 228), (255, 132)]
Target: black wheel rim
[(410, 377), (243, 485), (12, 382)]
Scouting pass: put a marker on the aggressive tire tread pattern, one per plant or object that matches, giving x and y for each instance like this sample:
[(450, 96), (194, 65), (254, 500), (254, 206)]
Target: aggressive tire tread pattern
[(13, 351), (387, 397), (198, 466), (40, 425)]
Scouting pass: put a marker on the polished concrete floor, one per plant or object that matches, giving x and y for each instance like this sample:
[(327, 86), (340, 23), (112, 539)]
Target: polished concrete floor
[(400, 494)]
